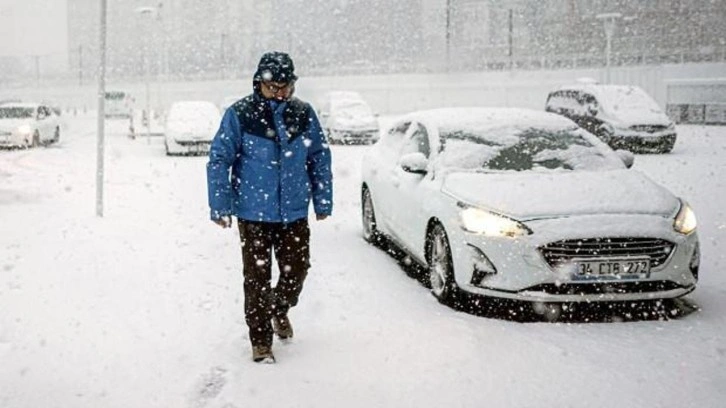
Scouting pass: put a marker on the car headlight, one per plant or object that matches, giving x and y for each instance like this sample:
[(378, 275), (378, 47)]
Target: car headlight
[(484, 222), (24, 129), (685, 221)]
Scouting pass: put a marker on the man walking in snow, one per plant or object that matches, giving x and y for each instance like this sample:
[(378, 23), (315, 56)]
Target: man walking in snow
[(267, 160)]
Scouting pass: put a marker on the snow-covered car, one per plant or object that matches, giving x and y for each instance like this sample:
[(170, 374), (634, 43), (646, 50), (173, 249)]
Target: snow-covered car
[(347, 118), (119, 104), (624, 117), (190, 127), (28, 124), (525, 205)]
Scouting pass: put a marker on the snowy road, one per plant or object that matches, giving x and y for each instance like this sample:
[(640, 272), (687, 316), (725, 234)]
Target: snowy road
[(143, 308)]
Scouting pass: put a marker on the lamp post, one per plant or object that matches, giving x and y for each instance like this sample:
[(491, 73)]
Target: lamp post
[(147, 11), (101, 111), (609, 21)]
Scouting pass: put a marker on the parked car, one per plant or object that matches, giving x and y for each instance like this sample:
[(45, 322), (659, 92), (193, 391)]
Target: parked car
[(190, 127), (119, 104), (624, 117), (27, 125), (525, 205), (347, 118)]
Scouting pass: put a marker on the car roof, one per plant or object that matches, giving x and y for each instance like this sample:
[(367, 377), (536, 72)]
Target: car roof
[(344, 95), (598, 89), (487, 118), (19, 105)]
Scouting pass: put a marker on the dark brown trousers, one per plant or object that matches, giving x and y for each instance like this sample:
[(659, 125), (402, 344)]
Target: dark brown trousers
[(291, 245)]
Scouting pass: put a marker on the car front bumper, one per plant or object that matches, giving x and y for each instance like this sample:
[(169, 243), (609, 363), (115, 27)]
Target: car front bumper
[(524, 273), (13, 139)]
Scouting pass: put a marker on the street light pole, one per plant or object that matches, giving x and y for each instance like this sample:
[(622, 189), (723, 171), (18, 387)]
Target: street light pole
[(448, 35), (147, 71), (609, 20), (101, 112)]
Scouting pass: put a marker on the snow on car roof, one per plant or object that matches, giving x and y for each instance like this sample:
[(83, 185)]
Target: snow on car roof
[(489, 118), (19, 105)]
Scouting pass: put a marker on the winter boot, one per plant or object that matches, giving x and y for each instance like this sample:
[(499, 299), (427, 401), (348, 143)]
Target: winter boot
[(263, 354), (282, 327)]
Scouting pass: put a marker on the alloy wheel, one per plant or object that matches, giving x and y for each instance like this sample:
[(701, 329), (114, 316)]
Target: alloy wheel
[(440, 264)]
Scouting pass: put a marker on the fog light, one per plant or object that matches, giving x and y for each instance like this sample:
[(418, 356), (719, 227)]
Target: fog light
[(695, 261), (481, 265)]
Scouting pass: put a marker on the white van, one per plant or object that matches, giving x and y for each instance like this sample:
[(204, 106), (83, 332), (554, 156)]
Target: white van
[(119, 104)]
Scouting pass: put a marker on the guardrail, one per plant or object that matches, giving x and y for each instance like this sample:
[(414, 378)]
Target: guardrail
[(697, 113)]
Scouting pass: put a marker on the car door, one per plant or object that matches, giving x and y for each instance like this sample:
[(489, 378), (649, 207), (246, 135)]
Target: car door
[(384, 160), (589, 114), (409, 189), (46, 123)]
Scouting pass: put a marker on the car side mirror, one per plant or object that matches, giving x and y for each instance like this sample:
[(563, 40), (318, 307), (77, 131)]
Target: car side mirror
[(627, 157), (415, 163)]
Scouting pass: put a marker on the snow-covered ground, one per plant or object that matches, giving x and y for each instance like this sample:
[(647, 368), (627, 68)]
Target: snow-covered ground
[(143, 308)]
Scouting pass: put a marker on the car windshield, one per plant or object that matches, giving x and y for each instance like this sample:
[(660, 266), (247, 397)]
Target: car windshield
[(16, 113), (115, 96), (628, 98), (192, 112), (354, 108), (527, 149)]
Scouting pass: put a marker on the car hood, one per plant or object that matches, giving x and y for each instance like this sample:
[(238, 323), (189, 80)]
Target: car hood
[(353, 122), (625, 118), (528, 195)]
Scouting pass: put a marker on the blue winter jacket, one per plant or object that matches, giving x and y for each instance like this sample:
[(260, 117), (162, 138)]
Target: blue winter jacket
[(278, 159)]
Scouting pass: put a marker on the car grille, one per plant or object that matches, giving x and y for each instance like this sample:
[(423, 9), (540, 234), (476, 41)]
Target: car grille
[(560, 252), (649, 128), (605, 288)]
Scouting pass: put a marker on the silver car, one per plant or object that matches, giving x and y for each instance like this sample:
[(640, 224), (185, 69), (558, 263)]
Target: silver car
[(525, 205)]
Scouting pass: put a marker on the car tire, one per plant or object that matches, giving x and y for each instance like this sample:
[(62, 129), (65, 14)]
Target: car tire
[(440, 265), (56, 135), (368, 215)]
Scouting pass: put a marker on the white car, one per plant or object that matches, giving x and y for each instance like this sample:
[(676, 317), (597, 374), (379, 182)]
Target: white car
[(525, 205), (190, 127), (27, 125), (346, 118)]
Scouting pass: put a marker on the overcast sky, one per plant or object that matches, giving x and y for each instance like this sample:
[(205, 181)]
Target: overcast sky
[(33, 27)]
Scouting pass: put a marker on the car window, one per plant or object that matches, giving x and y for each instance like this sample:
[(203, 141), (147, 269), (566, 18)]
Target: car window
[(530, 149), (16, 113), (418, 142), (115, 96)]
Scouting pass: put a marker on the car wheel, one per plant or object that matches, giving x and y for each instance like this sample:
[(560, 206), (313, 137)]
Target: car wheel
[(368, 214), (440, 266), (36, 139)]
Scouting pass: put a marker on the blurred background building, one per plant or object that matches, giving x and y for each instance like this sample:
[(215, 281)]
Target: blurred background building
[(184, 39)]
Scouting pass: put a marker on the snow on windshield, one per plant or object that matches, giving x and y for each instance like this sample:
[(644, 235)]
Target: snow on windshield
[(528, 149), (355, 108), (617, 98)]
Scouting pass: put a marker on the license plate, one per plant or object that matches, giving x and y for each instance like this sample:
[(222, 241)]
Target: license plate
[(634, 268)]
